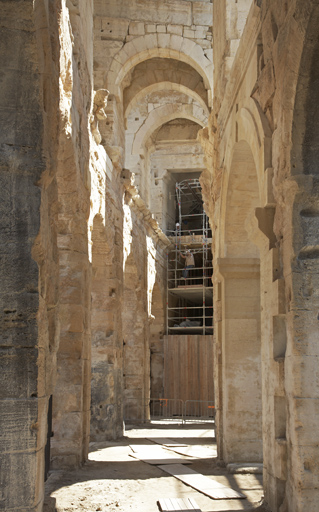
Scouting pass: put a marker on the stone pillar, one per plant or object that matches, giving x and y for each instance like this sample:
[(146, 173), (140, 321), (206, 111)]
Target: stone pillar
[(107, 379), (134, 325), (241, 367), (27, 296)]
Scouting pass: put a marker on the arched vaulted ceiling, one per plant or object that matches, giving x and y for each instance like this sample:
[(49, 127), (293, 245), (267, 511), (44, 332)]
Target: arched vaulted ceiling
[(161, 82), (159, 46), (159, 90), (162, 72)]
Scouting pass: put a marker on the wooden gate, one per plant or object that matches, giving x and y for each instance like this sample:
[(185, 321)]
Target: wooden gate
[(188, 367)]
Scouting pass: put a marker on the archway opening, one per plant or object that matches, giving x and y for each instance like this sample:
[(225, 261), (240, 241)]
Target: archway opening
[(239, 420)]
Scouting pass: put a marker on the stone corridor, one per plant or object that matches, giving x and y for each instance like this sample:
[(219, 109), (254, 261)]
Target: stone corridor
[(113, 481), (109, 111)]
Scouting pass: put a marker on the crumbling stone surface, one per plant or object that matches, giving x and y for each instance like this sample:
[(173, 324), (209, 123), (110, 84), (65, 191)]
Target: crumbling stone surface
[(262, 97), (101, 105)]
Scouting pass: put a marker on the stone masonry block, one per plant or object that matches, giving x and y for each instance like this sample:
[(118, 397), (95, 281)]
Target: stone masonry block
[(136, 28), (19, 416), (176, 42), (14, 465), (150, 28), (303, 371), (203, 13), (70, 370), (68, 428), (200, 32), (19, 371), (209, 54), (187, 46), (114, 29), (204, 43), (175, 29), (72, 318), (190, 34), (163, 40), (150, 41), (161, 29), (281, 458)]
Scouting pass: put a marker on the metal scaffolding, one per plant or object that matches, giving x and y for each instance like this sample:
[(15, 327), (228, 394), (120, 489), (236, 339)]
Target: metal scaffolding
[(190, 300)]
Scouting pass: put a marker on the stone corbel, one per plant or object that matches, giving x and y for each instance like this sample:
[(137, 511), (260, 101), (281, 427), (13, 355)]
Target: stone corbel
[(99, 114), (259, 227), (73, 6)]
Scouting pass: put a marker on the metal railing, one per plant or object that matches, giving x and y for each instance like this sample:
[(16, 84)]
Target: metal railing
[(168, 409), (199, 409)]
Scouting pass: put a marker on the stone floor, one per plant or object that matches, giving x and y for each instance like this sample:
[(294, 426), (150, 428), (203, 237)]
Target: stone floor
[(113, 481)]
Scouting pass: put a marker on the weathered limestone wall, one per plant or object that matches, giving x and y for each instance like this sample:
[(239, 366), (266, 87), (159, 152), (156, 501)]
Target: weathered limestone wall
[(42, 153), (176, 37), (143, 307), (65, 234), (159, 25), (29, 272), (71, 398), (156, 337), (106, 239), (156, 61), (267, 101)]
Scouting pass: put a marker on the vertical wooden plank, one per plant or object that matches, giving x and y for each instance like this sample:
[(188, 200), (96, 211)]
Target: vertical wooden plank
[(184, 362), (177, 373), (166, 365), (195, 367), (171, 367), (200, 363), (211, 392), (167, 368), (188, 360), (172, 361), (203, 363)]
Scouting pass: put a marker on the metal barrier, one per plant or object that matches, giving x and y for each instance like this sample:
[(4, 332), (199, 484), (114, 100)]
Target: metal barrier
[(168, 409), (199, 410)]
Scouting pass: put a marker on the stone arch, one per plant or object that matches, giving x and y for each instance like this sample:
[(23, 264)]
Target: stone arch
[(302, 283), (252, 126), (239, 270), (241, 197), (158, 45), (166, 86), (157, 70), (162, 115)]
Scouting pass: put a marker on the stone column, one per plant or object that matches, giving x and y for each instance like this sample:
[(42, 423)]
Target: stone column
[(27, 297), (240, 347)]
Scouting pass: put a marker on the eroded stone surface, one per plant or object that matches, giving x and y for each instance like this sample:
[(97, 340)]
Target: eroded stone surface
[(87, 193)]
